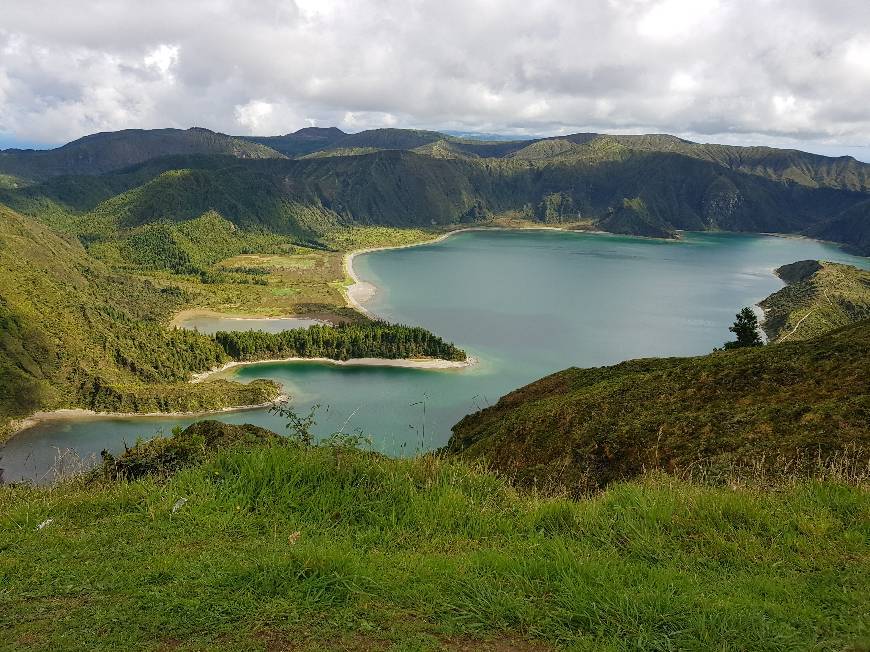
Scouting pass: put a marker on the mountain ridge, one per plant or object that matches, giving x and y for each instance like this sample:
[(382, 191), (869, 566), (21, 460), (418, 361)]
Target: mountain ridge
[(422, 178)]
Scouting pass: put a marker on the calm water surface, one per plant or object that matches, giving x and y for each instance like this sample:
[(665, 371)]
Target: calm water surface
[(211, 324), (525, 303)]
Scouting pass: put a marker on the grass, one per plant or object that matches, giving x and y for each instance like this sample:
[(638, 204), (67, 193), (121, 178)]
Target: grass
[(302, 281), (333, 548), (753, 406), (819, 297)]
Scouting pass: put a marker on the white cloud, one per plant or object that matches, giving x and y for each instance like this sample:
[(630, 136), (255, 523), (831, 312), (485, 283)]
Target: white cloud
[(162, 58), (784, 71), (253, 114), (674, 19)]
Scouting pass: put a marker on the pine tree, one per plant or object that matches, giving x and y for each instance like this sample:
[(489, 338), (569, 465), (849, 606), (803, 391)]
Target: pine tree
[(745, 327)]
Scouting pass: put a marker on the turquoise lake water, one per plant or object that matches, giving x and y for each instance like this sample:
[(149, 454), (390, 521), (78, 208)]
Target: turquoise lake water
[(526, 303)]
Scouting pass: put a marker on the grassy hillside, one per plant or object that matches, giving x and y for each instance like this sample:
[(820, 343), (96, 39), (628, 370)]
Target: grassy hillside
[(88, 327), (103, 152), (304, 199), (819, 297), (406, 178), (271, 545), (77, 334), (771, 407)]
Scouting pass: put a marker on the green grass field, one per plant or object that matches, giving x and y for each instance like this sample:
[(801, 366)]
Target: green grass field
[(286, 547)]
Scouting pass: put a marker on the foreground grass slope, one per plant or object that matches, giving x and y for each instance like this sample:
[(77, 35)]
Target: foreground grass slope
[(819, 296), (769, 407), (279, 546)]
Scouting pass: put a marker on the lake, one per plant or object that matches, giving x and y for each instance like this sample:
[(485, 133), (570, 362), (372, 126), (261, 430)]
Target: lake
[(210, 323), (525, 303)]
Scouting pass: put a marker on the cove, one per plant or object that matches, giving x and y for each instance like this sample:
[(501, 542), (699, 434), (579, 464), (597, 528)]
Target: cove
[(210, 323), (525, 303)]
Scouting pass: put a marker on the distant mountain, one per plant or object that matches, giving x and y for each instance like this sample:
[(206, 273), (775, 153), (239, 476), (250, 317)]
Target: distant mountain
[(105, 152), (649, 185), (611, 187), (299, 143), (773, 408)]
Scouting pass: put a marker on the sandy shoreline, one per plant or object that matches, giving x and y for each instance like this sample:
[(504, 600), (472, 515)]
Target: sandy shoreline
[(78, 414), (407, 363)]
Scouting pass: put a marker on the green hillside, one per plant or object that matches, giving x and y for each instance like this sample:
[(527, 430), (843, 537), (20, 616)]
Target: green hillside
[(104, 152), (773, 407), (301, 142), (849, 226), (405, 178), (633, 218), (78, 334), (819, 297), (255, 542), (307, 198)]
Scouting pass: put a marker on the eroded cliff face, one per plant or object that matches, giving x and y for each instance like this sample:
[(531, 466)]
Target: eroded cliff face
[(721, 203)]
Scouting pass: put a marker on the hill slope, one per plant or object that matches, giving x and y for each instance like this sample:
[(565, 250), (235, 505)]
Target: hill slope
[(586, 428), (104, 152), (643, 193), (640, 185), (76, 334), (819, 297), (329, 548)]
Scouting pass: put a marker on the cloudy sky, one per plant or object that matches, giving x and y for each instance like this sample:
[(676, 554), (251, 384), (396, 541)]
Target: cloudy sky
[(781, 72)]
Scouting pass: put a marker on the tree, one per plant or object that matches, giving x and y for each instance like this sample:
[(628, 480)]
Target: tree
[(745, 327)]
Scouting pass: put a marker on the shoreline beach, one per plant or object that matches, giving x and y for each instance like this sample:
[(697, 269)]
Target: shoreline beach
[(76, 414)]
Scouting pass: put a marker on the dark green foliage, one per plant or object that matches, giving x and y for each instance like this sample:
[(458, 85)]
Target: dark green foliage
[(556, 207), (103, 152), (633, 218), (189, 247), (301, 142), (164, 456), (155, 247), (75, 334), (374, 339), (670, 184), (745, 327), (852, 227), (771, 407)]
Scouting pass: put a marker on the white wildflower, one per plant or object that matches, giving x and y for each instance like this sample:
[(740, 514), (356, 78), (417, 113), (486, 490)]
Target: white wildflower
[(178, 504)]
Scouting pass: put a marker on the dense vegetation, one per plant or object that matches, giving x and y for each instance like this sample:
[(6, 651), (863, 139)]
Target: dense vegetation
[(773, 407), (77, 334), (280, 546), (642, 185), (103, 152), (86, 327), (372, 339), (819, 296)]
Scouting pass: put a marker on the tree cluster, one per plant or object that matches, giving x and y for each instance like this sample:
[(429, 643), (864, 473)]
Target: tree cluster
[(374, 339)]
